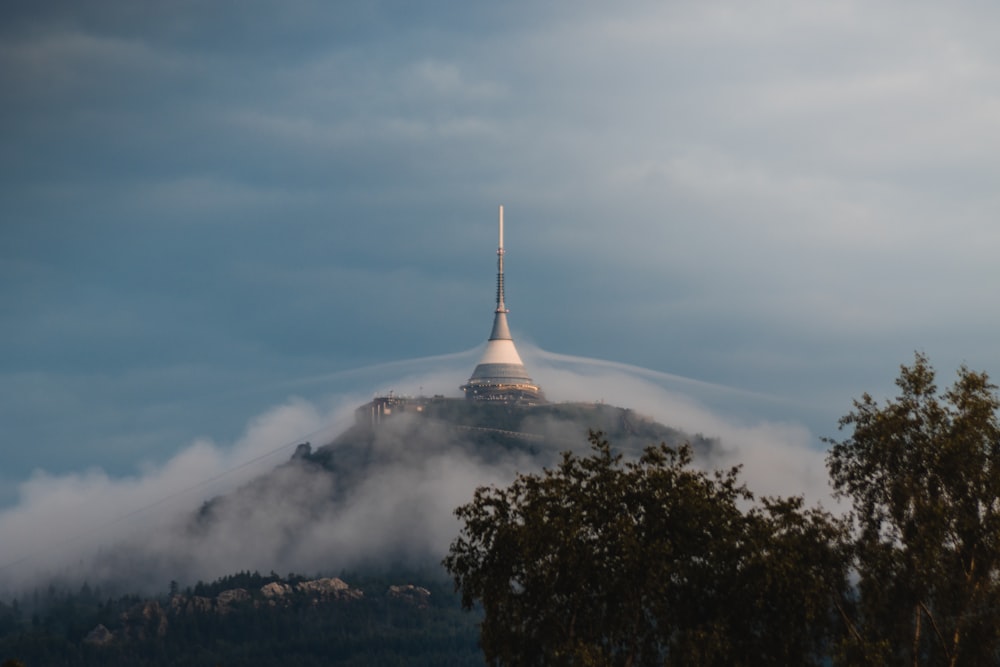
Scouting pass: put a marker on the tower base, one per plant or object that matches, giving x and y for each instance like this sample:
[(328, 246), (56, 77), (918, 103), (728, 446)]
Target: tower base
[(503, 393)]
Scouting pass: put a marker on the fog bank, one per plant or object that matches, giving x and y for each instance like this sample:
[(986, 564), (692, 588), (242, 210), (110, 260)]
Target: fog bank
[(143, 528)]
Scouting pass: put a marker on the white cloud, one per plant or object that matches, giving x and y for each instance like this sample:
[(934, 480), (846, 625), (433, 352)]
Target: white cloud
[(90, 524)]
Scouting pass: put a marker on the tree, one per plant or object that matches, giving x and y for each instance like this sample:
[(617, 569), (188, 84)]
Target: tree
[(603, 561), (923, 472)]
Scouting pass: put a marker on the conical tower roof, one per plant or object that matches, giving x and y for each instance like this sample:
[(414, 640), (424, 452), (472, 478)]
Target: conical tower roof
[(500, 374)]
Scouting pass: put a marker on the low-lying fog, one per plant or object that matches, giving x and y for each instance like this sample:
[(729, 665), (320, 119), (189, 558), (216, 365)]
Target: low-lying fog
[(139, 530)]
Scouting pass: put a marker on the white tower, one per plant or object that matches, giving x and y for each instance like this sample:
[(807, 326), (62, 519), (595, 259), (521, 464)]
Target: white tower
[(500, 373)]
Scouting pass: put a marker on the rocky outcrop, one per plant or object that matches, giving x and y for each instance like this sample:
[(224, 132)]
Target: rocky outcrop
[(330, 588), (275, 589), (226, 600), (148, 619), (415, 595), (99, 636), (144, 621)]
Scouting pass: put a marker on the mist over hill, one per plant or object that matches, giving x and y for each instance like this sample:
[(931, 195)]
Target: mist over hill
[(369, 495), (383, 492), (380, 493)]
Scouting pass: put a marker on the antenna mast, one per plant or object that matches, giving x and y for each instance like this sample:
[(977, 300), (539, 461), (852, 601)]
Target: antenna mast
[(500, 374), (501, 308)]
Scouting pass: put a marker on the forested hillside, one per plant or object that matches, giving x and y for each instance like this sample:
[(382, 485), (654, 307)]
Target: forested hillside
[(611, 556), (400, 609), (247, 619)]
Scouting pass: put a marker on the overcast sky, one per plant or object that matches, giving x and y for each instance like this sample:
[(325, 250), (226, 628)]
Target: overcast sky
[(207, 208)]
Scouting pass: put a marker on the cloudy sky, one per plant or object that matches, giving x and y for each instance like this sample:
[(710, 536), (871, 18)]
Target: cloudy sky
[(208, 209)]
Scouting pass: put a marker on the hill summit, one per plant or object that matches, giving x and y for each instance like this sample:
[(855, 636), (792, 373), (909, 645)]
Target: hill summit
[(384, 491)]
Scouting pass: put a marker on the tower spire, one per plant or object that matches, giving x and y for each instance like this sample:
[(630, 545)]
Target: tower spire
[(500, 374), (501, 308)]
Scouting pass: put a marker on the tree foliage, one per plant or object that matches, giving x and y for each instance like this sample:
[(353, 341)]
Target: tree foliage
[(603, 561), (374, 630), (923, 473)]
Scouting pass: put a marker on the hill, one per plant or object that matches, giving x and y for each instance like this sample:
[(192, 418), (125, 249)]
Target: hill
[(376, 502), (382, 493), (490, 430), (246, 619)]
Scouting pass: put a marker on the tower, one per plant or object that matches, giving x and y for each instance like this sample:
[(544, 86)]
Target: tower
[(500, 374)]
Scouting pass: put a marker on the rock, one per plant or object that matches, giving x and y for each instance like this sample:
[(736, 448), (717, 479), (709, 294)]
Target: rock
[(99, 636), (233, 595), (415, 595), (144, 621), (275, 589), (329, 587), (226, 599)]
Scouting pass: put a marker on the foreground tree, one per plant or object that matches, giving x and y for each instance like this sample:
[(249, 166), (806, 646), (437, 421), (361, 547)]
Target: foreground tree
[(923, 472), (606, 562)]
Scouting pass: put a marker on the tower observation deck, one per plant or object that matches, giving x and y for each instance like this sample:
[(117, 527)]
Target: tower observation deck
[(500, 374)]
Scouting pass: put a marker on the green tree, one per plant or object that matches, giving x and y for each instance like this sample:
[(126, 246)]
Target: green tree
[(603, 561), (923, 473)]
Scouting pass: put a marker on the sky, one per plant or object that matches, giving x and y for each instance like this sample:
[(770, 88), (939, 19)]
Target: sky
[(212, 211)]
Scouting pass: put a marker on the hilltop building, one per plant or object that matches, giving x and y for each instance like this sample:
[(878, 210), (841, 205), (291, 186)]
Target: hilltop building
[(500, 374)]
